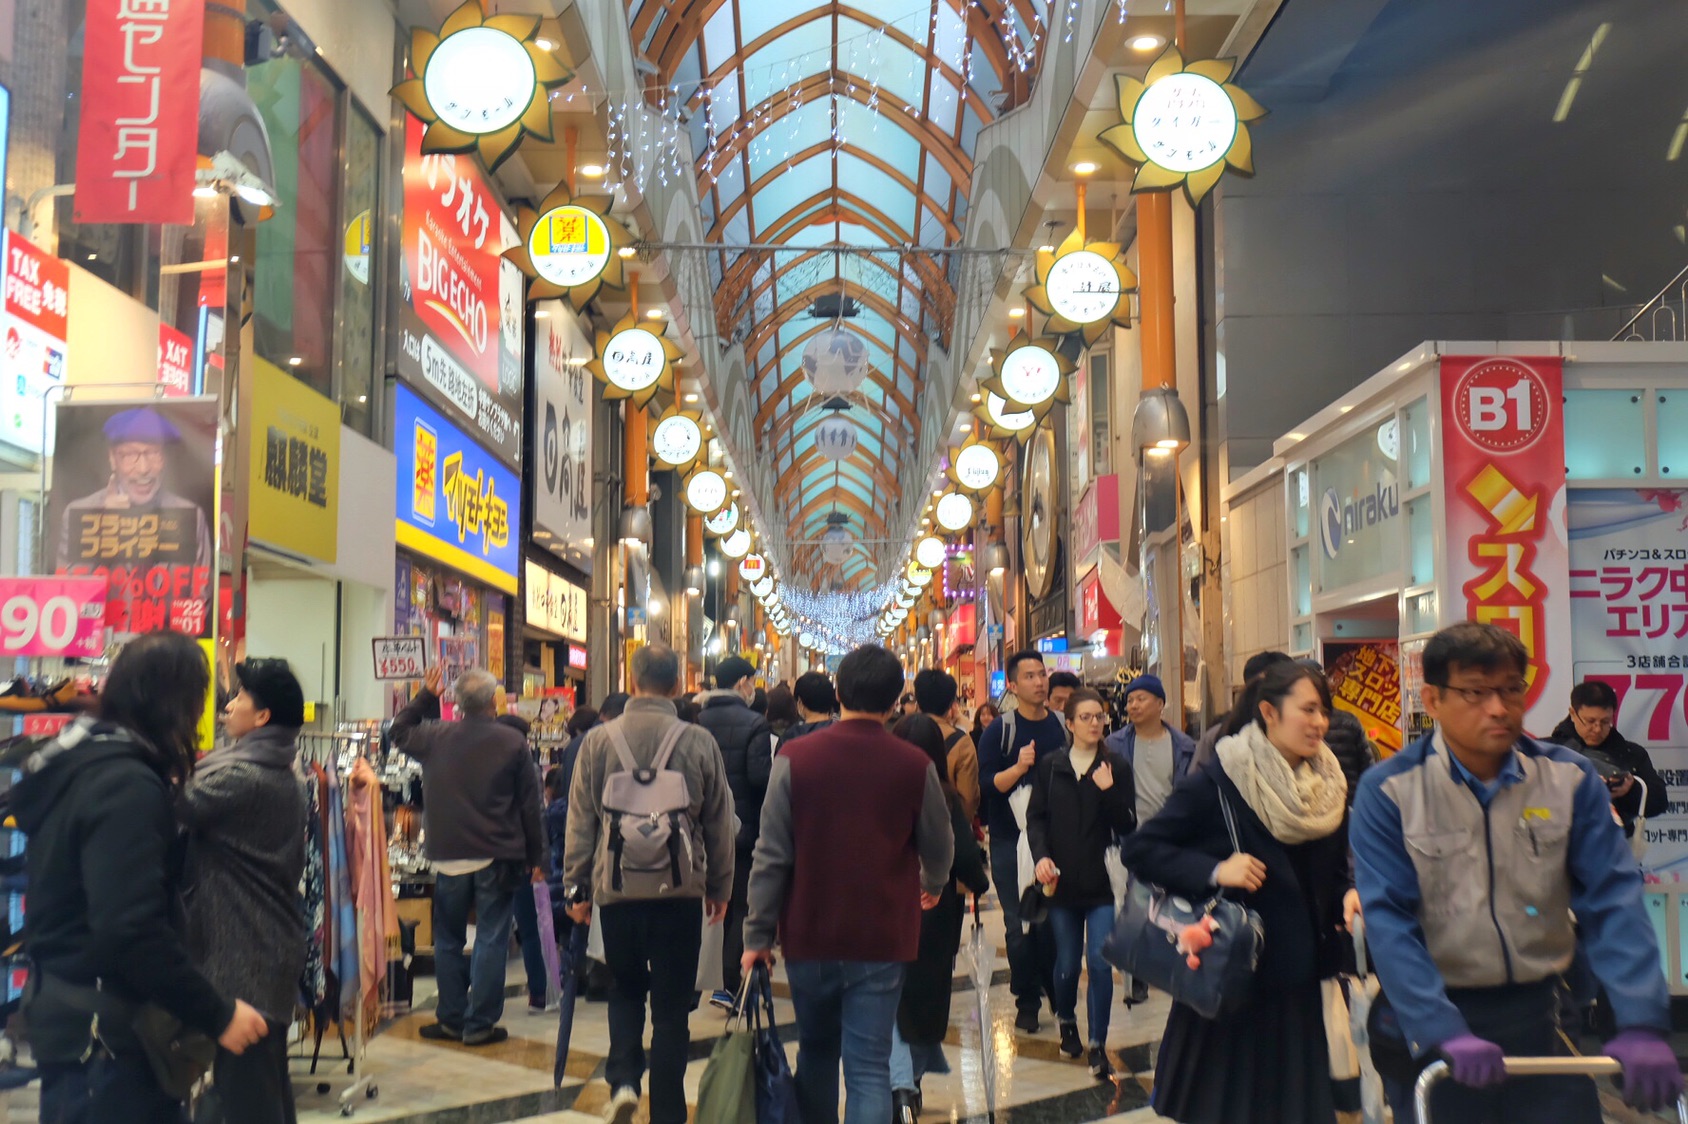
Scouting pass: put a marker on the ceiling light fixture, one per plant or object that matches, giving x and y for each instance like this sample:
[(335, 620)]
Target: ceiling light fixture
[(1084, 168), (545, 44), (592, 171), (654, 314), (1146, 42)]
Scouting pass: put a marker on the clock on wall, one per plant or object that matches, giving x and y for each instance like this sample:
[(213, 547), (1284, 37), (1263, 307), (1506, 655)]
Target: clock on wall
[(1038, 541)]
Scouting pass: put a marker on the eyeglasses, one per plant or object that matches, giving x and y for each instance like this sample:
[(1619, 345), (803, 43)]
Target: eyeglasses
[(1512, 694), (1096, 717), (1593, 723)]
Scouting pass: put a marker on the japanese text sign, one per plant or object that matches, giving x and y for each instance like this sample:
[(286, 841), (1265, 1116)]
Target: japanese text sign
[(1365, 680), (137, 145), (295, 465), (456, 503), (62, 617), (400, 657), (1503, 427), (460, 319), (555, 604), (133, 486), (175, 362), (37, 307)]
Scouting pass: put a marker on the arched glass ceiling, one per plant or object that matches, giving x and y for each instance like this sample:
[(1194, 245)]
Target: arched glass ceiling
[(837, 125)]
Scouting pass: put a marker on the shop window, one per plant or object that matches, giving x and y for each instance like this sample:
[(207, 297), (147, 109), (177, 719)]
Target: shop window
[(1415, 444), (1421, 543), (1301, 638), (1301, 500), (1421, 613), (1608, 441), (354, 310), (299, 248), (1101, 411), (1301, 566), (1673, 432)]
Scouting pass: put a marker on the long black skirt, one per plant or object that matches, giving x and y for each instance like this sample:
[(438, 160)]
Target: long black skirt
[(1266, 1063)]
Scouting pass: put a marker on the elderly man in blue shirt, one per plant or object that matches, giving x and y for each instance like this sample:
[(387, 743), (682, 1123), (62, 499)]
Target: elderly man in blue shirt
[(1472, 849)]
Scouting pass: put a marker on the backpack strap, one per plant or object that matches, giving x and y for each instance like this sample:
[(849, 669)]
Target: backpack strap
[(618, 741), (955, 736), (666, 749)]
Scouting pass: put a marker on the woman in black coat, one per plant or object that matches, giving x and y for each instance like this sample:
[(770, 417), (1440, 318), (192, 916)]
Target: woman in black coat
[(923, 1014), (1266, 1061), (1083, 802)]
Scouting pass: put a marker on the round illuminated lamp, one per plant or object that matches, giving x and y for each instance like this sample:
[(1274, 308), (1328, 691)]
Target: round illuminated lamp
[(634, 360), (955, 511), (706, 491), (805, 640), (480, 80), (918, 574), (677, 440), (737, 544), (753, 568), (978, 466), (1083, 286), (723, 521), (1031, 375), (1185, 122), (762, 587), (930, 552), (1005, 417), (569, 245)]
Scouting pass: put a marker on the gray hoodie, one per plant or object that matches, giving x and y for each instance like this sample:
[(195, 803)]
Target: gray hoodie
[(245, 813)]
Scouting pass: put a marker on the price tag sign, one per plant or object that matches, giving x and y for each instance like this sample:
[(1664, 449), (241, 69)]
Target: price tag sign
[(400, 657), (62, 617)]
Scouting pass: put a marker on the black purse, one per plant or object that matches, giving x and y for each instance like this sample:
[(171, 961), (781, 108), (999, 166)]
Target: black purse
[(1144, 942), (66, 1019)]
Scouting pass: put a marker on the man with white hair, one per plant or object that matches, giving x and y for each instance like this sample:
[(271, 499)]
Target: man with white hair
[(485, 836)]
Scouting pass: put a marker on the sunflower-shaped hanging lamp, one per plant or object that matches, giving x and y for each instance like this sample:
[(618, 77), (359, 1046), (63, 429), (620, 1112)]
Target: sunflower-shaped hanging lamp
[(1083, 287), (976, 465), (635, 360), (1003, 419), (1030, 374), (570, 247), (480, 83), (677, 439), (1184, 124)]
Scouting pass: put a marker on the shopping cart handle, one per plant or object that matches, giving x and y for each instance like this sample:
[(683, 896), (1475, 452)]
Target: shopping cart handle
[(1528, 1067)]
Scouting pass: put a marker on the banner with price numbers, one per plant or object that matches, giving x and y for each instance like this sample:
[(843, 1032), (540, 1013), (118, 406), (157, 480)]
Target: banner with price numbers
[(58, 617), (1629, 613), (400, 657)]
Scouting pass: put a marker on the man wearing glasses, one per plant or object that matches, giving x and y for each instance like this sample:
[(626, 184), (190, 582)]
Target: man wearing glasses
[(1591, 730), (150, 524), (1471, 849)]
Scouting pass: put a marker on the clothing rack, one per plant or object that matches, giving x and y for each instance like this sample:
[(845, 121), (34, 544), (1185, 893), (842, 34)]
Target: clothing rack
[(347, 894)]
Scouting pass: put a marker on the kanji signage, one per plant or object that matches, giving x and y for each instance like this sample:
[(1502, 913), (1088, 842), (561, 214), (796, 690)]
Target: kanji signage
[(635, 360), (175, 362), (295, 465), (460, 319), (1365, 680), (1503, 428), (1082, 287), (138, 131), (133, 487), (400, 657), (37, 321), (555, 604), (570, 247), (456, 503), (562, 455)]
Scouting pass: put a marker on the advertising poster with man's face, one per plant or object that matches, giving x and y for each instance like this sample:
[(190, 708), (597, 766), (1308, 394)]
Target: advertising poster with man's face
[(134, 486)]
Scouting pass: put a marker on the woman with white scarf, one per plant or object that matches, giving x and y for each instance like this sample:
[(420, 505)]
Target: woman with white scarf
[(1265, 1062)]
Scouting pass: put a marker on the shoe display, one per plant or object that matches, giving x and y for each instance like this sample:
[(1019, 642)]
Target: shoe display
[(1100, 1067), (1070, 1045), (1026, 1022), (623, 1106), (490, 1037)]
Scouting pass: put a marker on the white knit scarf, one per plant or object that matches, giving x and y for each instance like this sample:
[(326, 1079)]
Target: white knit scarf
[(1296, 805)]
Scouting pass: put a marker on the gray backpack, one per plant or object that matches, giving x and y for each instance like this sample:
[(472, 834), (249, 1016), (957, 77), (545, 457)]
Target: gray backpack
[(649, 833)]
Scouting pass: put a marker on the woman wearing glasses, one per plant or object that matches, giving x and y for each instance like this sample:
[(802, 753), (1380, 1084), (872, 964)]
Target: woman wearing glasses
[(1082, 802), (1265, 1062)]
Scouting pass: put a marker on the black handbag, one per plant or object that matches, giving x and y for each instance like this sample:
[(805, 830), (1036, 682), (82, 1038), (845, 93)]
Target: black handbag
[(1144, 942), (776, 1091), (66, 1018)]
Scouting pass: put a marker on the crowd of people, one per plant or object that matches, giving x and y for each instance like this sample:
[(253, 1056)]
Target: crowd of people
[(840, 824)]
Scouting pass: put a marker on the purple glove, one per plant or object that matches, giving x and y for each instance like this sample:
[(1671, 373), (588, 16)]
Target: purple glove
[(1651, 1077), (1475, 1061)]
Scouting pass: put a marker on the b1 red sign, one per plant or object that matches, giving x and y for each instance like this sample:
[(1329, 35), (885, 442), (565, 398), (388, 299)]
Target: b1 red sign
[(1502, 405), (175, 362), (137, 147), (63, 617)]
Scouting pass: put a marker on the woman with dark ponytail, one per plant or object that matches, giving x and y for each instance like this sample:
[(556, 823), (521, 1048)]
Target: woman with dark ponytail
[(1265, 1062)]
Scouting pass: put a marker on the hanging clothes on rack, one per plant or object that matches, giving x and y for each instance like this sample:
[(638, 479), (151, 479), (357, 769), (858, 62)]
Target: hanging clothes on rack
[(313, 983), (377, 909)]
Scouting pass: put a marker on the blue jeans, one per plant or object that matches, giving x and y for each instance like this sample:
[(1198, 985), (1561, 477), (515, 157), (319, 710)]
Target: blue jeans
[(1031, 956), (104, 1088), (472, 994), (1071, 925), (533, 953), (912, 1061), (845, 1010)]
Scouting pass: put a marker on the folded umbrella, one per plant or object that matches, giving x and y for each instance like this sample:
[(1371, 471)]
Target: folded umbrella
[(569, 971)]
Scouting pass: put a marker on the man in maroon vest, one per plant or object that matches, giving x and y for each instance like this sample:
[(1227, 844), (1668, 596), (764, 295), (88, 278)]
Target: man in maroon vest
[(855, 841)]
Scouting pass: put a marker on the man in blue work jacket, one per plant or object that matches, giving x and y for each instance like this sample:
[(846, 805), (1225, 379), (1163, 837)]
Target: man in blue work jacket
[(1471, 848)]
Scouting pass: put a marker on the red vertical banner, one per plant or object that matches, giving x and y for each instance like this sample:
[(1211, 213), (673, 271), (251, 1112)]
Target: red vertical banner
[(1503, 437), (138, 140)]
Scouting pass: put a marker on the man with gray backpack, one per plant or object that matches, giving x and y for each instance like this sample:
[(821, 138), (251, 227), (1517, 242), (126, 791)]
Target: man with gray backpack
[(650, 842)]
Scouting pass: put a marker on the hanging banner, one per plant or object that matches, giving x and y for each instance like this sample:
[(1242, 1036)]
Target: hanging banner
[(455, 502), (57, 617), (460, 319), (1629, 614), (37, 306), (175, 362), (1503, 428), (295, 467), (562, 493), (133, 484), (137, 142)]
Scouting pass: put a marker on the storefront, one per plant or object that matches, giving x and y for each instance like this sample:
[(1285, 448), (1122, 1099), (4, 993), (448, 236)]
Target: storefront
[(457, 509), (554, 654), (1449, 487)]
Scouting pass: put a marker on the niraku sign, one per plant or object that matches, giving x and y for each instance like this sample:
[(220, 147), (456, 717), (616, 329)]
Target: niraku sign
[(455, 502)]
